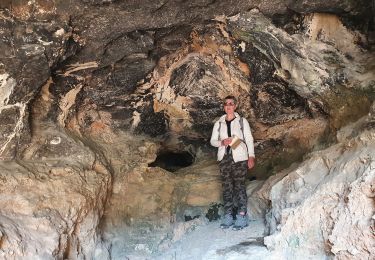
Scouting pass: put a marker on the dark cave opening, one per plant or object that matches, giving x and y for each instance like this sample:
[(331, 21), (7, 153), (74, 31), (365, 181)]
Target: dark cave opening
[(173, 161)]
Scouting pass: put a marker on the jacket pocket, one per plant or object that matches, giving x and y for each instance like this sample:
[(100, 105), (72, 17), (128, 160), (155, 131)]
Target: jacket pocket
[(242, 150), (220, 153)]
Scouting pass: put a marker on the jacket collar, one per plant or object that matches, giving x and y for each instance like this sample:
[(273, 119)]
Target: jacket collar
[(222, 118)]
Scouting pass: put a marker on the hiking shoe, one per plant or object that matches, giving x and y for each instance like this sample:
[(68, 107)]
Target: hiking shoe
[(241, 222), (227, 221)]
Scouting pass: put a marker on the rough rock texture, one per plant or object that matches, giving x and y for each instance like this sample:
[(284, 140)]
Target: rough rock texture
[(326, 205), (151, 208), (28, 52), (106, 88), (131, 71), (309, 66), (256, 205), (50, 209)]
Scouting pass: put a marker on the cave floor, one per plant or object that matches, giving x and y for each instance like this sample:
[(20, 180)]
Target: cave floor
[(211, 242)]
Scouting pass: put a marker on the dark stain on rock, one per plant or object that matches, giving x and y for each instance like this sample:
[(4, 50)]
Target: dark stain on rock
[(204, 112), (213, 212), (241, 247), (129, 45), (191, 78), (168, 40), (188, 218), (62, 84), (261, 67), (121, 114), (345, 105), (152, 123), (275, 103), (291, 21), (274, 155), (128, 72)]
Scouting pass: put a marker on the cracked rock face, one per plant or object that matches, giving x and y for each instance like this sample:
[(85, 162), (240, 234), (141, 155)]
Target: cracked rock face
[(343, 178), (94, 93), (51, 208)]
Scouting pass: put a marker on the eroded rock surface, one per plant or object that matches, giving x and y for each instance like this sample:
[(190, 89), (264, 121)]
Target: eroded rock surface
[(51, 209), (91, 92), (326, 205)]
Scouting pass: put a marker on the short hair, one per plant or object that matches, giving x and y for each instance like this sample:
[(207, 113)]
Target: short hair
[(232, 98)]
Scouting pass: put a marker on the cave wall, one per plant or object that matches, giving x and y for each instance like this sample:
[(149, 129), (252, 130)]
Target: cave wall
[(92, 60), (325, 206), (122, 81)]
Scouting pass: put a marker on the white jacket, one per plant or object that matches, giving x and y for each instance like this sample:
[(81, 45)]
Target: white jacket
[(246, 147)]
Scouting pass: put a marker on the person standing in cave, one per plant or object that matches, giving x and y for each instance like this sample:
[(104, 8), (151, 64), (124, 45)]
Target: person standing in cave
[(232, 135)]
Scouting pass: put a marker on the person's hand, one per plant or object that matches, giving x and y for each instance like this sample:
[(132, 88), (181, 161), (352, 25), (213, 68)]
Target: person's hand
[(251, 162), (226, 141)]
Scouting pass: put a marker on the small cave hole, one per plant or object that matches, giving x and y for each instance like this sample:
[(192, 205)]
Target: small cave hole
[(173, 161)]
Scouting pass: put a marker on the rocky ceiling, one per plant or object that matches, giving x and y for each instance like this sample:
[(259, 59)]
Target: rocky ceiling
[(160, 68)]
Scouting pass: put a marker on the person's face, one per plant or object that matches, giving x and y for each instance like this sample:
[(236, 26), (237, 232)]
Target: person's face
[(229, 106)]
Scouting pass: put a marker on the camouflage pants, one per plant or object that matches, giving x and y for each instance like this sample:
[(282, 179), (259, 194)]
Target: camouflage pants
[(233, 176)]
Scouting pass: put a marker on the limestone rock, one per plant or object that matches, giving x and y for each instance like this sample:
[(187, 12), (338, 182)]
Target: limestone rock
[(256, 206), (92, 91), (28, 52), (325, 206), (287, 52), (175, 201), (186, 70), (49, 209)]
